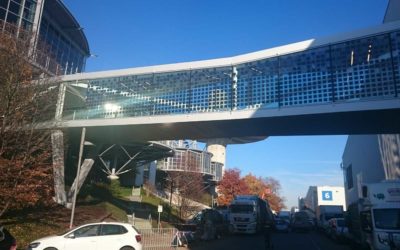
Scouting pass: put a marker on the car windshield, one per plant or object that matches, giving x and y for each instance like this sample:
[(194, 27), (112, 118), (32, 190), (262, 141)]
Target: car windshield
[(387, 218), (241, 208), (65, 232)]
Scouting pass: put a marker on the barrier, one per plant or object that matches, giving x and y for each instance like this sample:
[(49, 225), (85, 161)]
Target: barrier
[(164, 238)]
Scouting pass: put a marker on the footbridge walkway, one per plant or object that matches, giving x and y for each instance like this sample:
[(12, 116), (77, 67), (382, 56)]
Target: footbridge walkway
[(343, 84)]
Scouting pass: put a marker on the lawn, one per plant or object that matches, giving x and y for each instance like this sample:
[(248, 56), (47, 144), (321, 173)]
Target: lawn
[(27, 226)]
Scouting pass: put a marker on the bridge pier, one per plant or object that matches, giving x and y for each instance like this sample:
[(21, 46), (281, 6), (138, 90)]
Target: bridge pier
[(218, 149)]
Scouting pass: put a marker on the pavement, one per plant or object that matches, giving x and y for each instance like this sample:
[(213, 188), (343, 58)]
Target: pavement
[(280, 241)]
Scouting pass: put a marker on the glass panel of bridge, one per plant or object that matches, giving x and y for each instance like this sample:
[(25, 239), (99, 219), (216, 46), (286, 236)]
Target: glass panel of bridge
[(120, 96), (171, 93), (395, 36), (206, 162), (304, 77), (362, 69), (258, 84), (75, 100), (211, 90)]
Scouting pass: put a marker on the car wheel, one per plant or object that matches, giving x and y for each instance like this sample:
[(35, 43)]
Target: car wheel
[(127, 248), (50, 248)]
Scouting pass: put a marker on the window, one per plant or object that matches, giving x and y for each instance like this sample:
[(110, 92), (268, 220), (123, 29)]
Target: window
[(387, 218), (4, 3), (349, 177), (112, 230), (87, 231), (241, 208)]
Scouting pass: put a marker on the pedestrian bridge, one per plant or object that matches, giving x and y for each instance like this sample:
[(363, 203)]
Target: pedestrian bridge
[(345, 84)]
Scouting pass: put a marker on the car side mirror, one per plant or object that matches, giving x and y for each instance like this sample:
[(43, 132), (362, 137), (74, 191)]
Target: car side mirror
[(70, 236)]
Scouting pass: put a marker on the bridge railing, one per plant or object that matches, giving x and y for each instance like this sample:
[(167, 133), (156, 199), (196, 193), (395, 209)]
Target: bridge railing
[(361, 69)]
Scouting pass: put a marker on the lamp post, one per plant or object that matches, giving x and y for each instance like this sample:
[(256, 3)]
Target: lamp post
[(77, 176)]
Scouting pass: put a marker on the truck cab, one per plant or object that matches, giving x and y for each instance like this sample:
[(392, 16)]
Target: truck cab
[(380, 215), (248, 214), (243, 216)]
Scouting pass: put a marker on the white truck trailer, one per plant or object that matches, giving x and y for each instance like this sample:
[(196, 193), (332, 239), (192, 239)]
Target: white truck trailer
[(249, 214), (374, 220)]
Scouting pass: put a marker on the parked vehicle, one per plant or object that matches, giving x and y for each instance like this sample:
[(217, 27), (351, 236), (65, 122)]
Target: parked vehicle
[(284, 215), (301, 222), (249, 214), (100, 236), (282, 225), (337, 229), (7, 241), (325, 213), (374, 220), (209, 224)]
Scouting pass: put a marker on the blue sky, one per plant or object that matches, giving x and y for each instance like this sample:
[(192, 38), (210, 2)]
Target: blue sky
[(136, 33)]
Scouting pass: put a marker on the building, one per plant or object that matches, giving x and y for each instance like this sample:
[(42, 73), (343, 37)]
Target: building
[(369, 159), (324, 196), (301, 203), (189, 158), (58, 43)]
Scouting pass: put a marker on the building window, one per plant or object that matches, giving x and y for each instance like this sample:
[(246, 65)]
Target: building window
[(349, 177)]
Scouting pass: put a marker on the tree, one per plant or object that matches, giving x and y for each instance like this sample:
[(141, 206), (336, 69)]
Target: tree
[(187, 184), (266, 188), (231, 185), (275, 200), (25, 153), (256, 185), (188, 187)]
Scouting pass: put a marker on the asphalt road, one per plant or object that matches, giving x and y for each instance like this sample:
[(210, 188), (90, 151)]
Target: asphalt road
[(280, 241)]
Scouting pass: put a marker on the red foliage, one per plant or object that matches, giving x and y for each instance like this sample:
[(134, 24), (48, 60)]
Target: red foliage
[(266, 188), (25, 152), (231, 185)]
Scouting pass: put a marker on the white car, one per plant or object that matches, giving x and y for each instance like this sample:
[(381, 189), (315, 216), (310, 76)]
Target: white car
[(95, 236)]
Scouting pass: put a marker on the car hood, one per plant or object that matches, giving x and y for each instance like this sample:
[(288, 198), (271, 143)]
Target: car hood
[(47, 238)]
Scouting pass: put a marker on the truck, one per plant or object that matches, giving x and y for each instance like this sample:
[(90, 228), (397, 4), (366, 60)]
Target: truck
[(249, 214), (374, 219), (326, 212)]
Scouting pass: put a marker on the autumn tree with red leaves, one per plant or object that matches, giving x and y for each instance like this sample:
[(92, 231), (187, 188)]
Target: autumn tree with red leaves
[(231, 185), (25, 152), (266, 188)]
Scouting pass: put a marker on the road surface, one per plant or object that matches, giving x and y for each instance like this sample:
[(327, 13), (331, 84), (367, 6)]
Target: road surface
[(280, 241)]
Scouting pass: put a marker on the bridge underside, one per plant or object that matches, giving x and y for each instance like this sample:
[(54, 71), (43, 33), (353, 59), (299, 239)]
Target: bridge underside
[(355, 122)]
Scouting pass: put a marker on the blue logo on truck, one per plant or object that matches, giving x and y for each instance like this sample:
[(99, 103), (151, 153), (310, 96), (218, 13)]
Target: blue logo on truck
[(326, 195)]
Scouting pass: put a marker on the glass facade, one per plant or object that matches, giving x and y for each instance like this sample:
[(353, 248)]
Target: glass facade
[(55, 50), (15, 11), (187, 160), (355, 70), (216, 170), (69, 57)]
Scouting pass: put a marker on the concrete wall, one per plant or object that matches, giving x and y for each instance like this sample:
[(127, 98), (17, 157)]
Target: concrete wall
[(372, 158)]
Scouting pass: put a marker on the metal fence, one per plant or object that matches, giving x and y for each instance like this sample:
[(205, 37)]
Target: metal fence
[(163, 238)]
